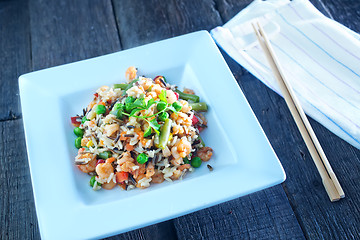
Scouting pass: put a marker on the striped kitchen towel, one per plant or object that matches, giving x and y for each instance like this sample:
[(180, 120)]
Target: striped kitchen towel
[(320, 57)]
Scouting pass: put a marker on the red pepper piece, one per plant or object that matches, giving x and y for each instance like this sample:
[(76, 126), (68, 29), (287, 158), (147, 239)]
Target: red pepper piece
[(194, 120), (75, 122), (100, 161), (177, 95)]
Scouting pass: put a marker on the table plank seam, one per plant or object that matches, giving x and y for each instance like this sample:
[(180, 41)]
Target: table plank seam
[(296, 214), (116, 23), (11, 117), (216, 8)]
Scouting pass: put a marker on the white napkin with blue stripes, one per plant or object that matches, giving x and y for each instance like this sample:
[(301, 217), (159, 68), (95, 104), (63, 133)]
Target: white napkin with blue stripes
[(320, 58)]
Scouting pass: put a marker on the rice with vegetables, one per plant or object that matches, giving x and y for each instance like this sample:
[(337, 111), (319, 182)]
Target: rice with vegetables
[(140, 132)]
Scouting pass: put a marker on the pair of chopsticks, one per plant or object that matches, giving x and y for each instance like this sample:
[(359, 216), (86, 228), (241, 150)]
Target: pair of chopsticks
[(329, 179)]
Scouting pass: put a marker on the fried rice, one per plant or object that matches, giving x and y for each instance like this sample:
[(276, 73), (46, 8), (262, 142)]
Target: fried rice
[(141, 132)]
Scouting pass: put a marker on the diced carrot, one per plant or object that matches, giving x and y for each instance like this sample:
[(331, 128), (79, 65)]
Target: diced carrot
[(121, 177), (129, 147), (101, 103), (122, 138)]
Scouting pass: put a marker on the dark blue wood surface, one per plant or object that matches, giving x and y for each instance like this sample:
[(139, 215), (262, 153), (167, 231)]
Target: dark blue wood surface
[(38, 34)]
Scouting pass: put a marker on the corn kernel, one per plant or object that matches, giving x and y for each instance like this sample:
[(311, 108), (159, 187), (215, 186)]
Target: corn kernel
[(89, 144)]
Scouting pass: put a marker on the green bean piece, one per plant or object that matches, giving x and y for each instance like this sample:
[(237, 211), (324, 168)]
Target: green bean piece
[(185, 96), (165, 133), (78, 142), (196, 162), (199, 107), (92, 181), (186, 160), (123, 86), (105, 155), (79, 132), (201, 141), (129, 86)]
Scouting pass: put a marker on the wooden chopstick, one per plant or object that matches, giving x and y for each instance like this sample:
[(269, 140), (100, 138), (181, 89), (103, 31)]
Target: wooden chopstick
[(329, 179)]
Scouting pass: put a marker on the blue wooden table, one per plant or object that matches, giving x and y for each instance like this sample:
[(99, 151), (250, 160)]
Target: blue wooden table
[(37, 34)]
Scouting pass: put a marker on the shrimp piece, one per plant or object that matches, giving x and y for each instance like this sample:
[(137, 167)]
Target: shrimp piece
[(157, 89), (128, 166), (183, 147), (125, 157), (130, 73), (84, 141), (184, 167), (108, 186), (139, 171), (177, 129), (150, 170), (103, 89), (176, 154), (177, 162), (147, 84), (176, 175), (111, 129), (104, 170), (170, 96), (90, 166), (150, 95), (185, 106), (158, 177), (181, 118), (142, 181), (91, 123), (205, 153)]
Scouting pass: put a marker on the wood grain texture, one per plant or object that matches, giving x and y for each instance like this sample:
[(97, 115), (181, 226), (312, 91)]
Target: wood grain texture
[(138, 25), (18, 218), (66, 31), (15, 55), (146, 21), (318, 217), (347, 12), (261, 215), (164, 230)]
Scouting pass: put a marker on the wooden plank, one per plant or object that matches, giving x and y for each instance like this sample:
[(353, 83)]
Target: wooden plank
[(15, 55), (74, 31), (164, 230), (147, 21), (257, 216), (147, 28), (18, 217), (68, 31), (318, 217)]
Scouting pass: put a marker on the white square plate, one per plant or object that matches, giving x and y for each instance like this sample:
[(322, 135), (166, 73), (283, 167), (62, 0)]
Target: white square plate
[(67, 208)]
